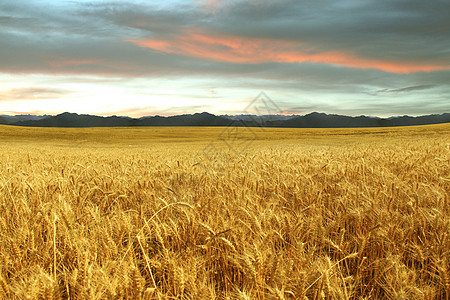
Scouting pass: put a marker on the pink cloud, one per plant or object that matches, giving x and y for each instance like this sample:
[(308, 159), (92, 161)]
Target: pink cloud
[(246, 50)]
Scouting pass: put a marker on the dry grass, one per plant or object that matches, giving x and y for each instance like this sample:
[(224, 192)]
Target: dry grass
[(300, 214)]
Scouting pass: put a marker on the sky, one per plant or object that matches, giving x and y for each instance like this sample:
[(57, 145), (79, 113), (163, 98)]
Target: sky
[(140, 58)]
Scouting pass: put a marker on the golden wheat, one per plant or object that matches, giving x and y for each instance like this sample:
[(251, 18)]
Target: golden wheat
[(144, 213)]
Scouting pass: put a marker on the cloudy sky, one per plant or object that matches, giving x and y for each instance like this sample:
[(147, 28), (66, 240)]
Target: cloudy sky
[(136, 58)]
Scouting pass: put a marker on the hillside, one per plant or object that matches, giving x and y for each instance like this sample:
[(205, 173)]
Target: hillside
[(312, 120)]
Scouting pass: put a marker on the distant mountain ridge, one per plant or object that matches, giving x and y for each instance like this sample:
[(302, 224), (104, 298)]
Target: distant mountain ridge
[(312, 120)]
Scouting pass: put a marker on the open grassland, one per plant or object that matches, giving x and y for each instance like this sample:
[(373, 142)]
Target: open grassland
[(155, 213)]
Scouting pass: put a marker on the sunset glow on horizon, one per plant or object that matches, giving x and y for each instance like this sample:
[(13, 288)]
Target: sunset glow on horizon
[(379, 58)]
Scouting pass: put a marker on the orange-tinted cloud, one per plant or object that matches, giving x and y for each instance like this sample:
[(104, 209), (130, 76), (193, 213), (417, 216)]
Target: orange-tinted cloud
[(28, 112), (245, 50), (32, 93)]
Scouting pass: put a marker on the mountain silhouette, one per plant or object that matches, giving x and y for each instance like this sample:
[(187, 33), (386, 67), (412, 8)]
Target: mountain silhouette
[(312, 120)]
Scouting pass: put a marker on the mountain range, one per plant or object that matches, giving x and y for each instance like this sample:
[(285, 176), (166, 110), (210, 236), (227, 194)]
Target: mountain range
[(312, 120)]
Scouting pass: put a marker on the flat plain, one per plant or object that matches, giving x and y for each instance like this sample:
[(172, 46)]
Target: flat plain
[(225, 213)]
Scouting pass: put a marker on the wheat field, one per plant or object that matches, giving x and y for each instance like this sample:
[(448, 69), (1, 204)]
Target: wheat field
[(156, 213)]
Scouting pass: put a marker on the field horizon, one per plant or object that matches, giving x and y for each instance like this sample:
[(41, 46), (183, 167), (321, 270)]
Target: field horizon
[(204, 133)]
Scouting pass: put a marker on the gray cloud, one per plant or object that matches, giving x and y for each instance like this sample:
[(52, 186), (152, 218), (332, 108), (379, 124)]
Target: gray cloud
[(373, 30), (381, 30), (92, 38), (405, 89), (392, 30)]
